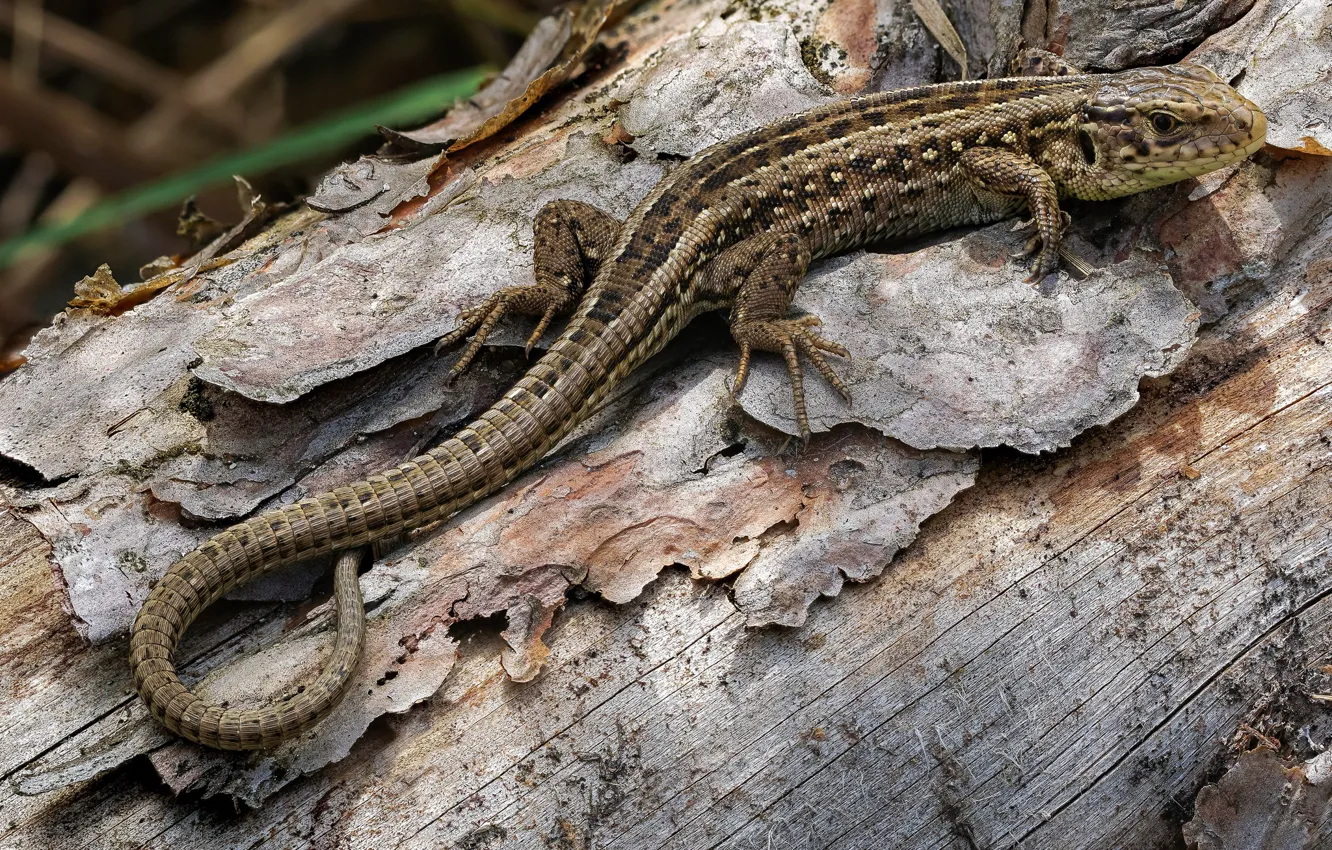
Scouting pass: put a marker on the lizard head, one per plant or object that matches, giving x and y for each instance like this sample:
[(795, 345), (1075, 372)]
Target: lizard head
[(1151, 126)]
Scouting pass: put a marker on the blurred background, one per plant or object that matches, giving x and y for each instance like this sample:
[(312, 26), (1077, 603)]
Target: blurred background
[(112, 112)]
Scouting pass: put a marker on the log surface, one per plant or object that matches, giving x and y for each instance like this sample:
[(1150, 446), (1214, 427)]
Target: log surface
[(1073, 645)]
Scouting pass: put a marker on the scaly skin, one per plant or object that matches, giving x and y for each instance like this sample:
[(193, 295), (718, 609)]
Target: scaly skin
[(733, 229)]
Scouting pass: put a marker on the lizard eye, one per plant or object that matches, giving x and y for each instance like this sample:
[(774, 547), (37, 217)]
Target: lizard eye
[(1163, 122)]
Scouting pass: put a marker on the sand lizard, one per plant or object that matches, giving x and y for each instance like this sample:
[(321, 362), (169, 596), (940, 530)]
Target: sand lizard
[(733, 228)]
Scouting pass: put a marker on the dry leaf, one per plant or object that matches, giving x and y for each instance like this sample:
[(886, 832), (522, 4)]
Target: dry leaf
[(101, 294), (197, 226), (255, 212), (542, 48), (98, 291), (547, 58), (934, 18), (8, 362), (156, 267)]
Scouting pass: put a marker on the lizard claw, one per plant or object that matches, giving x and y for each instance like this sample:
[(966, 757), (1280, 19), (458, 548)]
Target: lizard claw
[(540, 329), (478, 322), (1045, 251), (790, 338), (1047, 259)]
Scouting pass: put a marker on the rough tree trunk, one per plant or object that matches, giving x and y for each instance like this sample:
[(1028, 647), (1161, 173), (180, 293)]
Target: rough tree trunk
[(1076, 538)]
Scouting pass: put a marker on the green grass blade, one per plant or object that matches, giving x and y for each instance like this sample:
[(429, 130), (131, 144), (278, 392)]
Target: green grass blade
[(409, 105)]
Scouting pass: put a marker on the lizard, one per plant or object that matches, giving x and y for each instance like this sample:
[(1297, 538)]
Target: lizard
[(733, 228)]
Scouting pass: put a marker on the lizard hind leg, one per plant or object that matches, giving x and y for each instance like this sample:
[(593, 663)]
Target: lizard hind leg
[(571, 240), (758, 277)]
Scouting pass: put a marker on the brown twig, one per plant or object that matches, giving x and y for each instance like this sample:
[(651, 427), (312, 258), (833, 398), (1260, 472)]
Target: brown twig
[(80, 139), (238, 67), (27, 53), (94, 52), (23, 195)]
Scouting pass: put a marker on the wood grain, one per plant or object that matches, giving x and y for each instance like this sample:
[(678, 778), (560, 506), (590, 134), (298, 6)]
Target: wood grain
[(1073, 678), (1061, 659)]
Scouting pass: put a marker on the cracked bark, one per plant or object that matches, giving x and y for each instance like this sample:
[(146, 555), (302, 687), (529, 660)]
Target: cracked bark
[(1062, 658)]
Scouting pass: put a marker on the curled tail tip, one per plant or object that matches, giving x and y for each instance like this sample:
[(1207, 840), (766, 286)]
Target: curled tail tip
[(153, 641)]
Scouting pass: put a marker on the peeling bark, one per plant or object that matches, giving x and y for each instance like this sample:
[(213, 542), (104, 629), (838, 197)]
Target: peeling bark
[(1062, 660)]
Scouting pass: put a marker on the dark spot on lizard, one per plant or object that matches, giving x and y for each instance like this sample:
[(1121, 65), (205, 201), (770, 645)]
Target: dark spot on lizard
[(957, 101), (840, 127)]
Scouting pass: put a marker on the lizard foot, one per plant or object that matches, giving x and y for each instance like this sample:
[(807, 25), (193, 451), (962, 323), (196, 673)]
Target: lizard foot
[(790, 338), (478, 322), (1046, 255)]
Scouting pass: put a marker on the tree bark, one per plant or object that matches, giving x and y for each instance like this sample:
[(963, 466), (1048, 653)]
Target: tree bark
[(1056, 648)]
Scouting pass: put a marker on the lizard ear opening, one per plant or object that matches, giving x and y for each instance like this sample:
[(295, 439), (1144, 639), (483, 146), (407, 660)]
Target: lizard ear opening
[(1088, 146)]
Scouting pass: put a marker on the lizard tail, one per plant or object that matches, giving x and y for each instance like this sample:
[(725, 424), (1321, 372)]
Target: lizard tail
[(344, 520), (505, 440)]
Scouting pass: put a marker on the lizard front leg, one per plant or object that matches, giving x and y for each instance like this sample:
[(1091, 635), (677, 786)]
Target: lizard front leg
[(1006, 173), (758, 277), (571, 240)]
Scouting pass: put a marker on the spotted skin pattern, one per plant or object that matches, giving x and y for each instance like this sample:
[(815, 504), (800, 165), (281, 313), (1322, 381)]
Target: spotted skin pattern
[(733, 229)]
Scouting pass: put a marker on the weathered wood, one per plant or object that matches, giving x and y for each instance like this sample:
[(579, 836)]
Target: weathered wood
[(1063, 657)]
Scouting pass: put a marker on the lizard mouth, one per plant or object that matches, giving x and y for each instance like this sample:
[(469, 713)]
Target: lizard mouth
[(1258, 137)]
